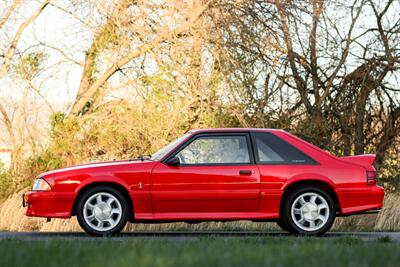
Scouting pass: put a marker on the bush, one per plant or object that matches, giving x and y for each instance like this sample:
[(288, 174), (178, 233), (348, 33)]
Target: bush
[(6, 185)]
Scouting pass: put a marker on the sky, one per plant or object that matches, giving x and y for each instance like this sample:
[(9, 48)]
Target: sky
[(56, 29), (59, 81)]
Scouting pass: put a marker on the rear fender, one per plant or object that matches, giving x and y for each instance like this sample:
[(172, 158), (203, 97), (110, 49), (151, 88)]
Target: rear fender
[(307, 177), (310, 179)]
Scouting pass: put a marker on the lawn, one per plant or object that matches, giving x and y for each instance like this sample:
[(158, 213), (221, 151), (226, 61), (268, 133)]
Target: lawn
[(205, 251)]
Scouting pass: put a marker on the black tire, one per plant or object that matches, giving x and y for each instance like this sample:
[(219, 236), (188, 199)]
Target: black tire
[(289, 221), (125, 207), (282, 225)]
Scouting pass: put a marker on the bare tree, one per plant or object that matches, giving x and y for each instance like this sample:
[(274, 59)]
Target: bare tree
[(131, 30), (7, 61), (338, 62)]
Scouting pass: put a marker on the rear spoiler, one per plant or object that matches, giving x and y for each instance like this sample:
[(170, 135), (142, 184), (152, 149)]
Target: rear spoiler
[(366, 160)]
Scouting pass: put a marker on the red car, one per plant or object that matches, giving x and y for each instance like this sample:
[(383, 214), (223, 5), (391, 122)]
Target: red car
[(214, 175)]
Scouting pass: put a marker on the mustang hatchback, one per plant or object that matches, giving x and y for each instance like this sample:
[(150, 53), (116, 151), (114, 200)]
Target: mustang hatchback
[(213, 175)]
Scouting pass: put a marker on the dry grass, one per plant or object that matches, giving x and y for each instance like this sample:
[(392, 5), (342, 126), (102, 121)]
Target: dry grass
[(389, 218), (12, 218)]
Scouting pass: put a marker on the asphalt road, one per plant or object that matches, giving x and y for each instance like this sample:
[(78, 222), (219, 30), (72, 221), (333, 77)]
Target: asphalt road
[(186, 235)]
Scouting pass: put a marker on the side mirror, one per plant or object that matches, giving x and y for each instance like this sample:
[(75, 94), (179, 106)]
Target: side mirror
[(174, 161)]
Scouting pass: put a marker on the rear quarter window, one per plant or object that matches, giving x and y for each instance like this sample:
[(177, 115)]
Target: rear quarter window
[(271, 149)]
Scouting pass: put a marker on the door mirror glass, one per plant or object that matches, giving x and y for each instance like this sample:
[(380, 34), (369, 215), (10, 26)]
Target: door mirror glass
[(174, 161)]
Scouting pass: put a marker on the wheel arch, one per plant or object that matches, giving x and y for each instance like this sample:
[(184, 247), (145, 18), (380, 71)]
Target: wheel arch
[(120, 187), (319, 183)]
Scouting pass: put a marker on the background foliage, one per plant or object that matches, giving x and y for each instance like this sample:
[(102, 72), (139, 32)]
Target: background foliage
[(150, 71)]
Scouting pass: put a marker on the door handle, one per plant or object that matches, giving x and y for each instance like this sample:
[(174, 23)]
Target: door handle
[(245, 172)]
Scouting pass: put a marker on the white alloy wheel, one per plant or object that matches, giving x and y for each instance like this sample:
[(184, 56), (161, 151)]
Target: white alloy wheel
[(102, 211), (310, 211)]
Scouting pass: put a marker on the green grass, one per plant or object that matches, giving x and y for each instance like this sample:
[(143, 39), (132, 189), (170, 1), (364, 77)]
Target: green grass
[(206, 251)]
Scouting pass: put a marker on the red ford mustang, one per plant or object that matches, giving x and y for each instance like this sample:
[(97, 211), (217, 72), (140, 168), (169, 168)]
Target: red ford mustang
[(214, 175)]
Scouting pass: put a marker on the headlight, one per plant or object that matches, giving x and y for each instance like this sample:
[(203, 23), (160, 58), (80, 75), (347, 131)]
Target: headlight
[(40, 185)]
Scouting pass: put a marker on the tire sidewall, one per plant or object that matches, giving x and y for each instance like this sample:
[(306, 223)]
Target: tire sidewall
[(107, 189), (287, 217), (281, 223)]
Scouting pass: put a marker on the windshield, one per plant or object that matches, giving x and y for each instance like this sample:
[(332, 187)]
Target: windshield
[(165, 150)]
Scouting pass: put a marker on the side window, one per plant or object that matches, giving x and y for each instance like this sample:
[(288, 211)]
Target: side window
[(216, 150), (272, 149)]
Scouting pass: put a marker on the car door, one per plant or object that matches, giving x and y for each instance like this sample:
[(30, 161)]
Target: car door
[(216, 174)]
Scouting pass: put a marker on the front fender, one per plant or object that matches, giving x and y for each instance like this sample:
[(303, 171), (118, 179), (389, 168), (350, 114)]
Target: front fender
[(101, 179)]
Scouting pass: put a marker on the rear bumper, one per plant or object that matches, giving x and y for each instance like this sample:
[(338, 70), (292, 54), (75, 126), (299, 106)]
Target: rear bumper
[(361, 201), (48, 204)]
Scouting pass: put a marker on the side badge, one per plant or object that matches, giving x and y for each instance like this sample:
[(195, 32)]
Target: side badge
[(140, 185)]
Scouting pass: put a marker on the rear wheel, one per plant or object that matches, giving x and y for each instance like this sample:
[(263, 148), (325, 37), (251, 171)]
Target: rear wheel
[(102, 210), (308, 211)]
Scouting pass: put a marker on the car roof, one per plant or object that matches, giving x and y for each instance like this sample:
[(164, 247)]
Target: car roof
[(227, 130)]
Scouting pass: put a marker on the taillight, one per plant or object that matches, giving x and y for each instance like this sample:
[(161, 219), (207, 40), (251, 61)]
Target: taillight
[(371, 178)]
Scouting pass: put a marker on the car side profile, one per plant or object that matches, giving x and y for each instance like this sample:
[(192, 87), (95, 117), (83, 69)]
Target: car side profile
[(214, 175)]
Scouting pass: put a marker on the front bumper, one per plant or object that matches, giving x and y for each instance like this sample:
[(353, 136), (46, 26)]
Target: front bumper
[(48, 204)]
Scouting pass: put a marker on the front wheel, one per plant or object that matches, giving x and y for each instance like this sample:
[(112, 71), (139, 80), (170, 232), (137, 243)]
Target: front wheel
[(102, 210), (282, 225), (308, 211)]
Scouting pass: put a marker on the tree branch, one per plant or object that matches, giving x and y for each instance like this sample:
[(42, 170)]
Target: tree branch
[(93, 88), (12, 48)]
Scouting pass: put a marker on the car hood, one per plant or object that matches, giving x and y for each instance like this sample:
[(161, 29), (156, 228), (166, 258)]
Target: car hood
[(93, 166)]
